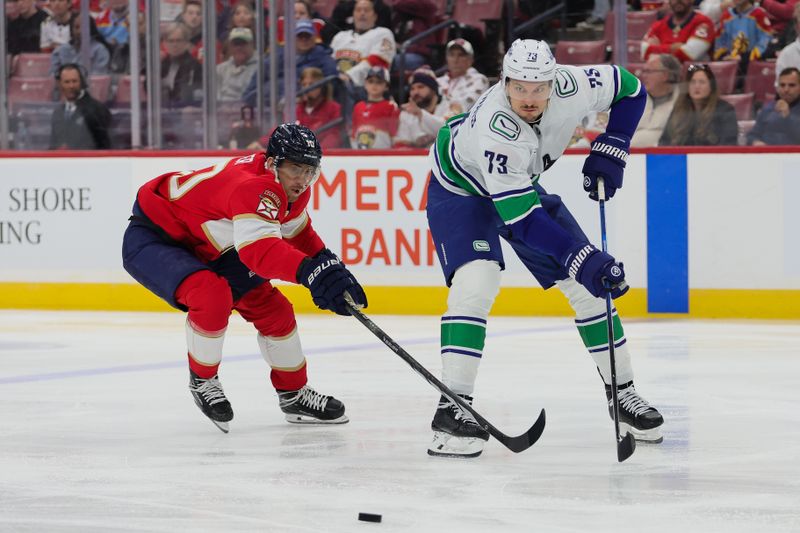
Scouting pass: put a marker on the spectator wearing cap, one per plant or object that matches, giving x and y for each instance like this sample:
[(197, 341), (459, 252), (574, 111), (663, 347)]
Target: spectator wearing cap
[(235, 73), (309, 53), (365, 46), (375, 119), (461, 85), (423, 114)]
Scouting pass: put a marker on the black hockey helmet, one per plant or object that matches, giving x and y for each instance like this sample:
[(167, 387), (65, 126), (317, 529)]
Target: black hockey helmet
[(295, 143)]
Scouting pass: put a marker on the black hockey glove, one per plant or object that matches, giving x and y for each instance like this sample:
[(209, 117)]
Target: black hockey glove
[(598, 271), (606, 160), (327, 278)]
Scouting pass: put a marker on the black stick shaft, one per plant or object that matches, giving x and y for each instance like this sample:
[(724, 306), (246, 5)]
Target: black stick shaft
[(625, 444)]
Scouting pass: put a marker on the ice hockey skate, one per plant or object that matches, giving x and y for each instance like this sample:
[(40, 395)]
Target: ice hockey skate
[(636, 415), (307, 406), (210, 398), (456, 433)]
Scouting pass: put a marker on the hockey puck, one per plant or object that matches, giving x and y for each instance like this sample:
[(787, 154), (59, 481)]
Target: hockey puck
[(367, 517)]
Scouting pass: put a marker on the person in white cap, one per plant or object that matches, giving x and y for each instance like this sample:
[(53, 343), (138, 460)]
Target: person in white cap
[(484, 186), (461, 85), (234, 74)]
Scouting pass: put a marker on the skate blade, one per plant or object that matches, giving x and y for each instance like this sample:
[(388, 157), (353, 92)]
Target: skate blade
[(223, 426), (447, 445), (310, 420), (645, 436)]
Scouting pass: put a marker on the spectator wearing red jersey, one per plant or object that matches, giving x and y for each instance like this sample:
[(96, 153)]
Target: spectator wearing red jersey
[(317, 108), (685, 33), (780, 13), (376, 119)]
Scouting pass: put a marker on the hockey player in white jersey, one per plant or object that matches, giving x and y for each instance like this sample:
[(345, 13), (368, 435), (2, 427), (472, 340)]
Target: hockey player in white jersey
[(484, 186)]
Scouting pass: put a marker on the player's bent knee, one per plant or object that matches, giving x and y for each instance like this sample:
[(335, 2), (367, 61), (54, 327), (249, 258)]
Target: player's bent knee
[(475, 286), (206, 292)]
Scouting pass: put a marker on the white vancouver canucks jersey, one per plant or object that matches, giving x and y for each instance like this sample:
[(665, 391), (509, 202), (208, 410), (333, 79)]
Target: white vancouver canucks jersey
[(492, 152)]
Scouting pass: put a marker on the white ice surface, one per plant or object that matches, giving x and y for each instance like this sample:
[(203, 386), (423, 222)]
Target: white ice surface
[(99, 432)]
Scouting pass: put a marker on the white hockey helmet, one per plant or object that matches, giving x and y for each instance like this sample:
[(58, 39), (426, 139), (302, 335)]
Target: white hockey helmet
[(529, 60)]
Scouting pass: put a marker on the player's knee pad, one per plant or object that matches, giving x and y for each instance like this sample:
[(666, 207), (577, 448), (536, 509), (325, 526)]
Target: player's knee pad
[(208, 298), (583, 303), (473, 290)]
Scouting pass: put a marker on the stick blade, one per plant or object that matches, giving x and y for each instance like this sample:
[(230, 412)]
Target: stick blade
[(527, 439), (625, 447)]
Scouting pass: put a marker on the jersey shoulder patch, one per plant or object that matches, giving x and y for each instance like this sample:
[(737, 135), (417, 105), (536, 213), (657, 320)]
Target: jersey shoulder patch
[(505, 126), (566, 84)]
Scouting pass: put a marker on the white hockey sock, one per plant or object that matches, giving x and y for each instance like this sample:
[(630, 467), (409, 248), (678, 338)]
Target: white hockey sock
[(282, 353), (463, 327), (205, 347), (590, 319)]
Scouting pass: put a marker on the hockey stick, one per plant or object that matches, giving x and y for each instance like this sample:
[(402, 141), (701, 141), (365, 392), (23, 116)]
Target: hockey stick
[(625, 444), (515, 444)]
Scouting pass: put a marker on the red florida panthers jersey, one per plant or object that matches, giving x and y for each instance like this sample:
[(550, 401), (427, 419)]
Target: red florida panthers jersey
[(239, 204), (696, 34)]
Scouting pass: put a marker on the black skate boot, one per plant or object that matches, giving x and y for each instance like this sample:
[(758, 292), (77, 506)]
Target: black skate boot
[(635, 414), (210, 398), (455, 432), (307, 406)]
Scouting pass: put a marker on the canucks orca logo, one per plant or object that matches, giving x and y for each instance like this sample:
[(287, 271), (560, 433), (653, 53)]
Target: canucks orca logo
[(565, 83), (505, 126)]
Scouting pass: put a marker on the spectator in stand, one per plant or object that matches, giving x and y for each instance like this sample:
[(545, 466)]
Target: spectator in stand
[(790, 56), (181, 74), (55, 30), (317, 108), (234, 74), (302, 11), (375, 119), (192, 17), (309, 53), (342, 16), (243, 16), (713, 9), (461, 85), (113, 23), (700, 117), (780, 14), (685, 33), (12, 10), (71, 52), (423, 114), (744, 34), (779, 122), (660, 75), (363, 47), (410, 18), (82, 123), (24, 32)]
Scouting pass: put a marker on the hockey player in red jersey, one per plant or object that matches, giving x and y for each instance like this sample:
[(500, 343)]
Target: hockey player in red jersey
[(208, 241)]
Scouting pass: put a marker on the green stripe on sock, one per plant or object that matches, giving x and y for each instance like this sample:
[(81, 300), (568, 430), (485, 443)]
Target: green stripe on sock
[(594, 335), (467, 335)]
